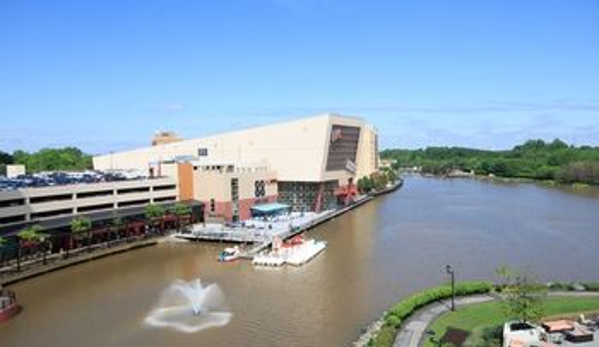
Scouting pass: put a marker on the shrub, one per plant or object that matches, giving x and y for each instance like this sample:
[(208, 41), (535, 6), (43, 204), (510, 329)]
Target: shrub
[(403, 309), (591, 286), (385, 337), (569, 286), (392, 321), (406, 307), (562, 286)]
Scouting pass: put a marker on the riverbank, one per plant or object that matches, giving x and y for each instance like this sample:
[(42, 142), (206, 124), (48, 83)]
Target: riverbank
[(378, 254), (485, 320), (59, 262), (407, 322), (501, 179), (398, 317)]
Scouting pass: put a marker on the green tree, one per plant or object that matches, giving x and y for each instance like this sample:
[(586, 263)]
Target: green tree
[(180, 211), (522, 295), (535, 159), (364, 185), (5, 159), (54, 159), (29, 238), (154, 213), (81, 229)]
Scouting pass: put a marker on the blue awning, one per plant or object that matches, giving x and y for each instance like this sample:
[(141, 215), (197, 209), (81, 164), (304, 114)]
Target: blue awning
[(270, 208)]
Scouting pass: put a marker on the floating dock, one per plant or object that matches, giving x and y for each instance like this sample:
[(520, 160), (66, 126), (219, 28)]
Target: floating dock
[(296, 255)]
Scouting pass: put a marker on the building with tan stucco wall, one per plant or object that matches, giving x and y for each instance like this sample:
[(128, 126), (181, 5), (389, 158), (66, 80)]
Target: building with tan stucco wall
[(314, 161)]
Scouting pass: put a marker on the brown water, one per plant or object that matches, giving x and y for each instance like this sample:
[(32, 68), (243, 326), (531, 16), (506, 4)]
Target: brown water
[(377, 254)]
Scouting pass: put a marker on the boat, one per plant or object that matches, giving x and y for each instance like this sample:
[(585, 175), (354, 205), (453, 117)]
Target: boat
[(229, 254), (9, 307), (294, 241)]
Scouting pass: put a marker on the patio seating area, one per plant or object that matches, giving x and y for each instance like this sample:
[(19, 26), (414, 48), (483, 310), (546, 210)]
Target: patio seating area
[(255, 230), (582, 332)]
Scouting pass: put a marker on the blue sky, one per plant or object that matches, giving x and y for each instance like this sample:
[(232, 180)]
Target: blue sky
[(105, 75)]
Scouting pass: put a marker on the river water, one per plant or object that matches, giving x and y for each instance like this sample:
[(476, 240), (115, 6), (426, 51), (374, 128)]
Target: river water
[(377, 254)]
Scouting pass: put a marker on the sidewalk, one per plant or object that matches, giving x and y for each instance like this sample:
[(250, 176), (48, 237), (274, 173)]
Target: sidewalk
[(412, 331), (58, 262)]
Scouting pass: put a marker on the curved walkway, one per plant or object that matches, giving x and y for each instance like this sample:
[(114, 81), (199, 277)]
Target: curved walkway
[(413, 331)]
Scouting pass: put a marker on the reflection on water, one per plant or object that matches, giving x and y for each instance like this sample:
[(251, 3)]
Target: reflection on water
[(377, 254)]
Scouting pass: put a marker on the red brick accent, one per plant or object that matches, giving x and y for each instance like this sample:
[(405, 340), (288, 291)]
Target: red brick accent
[(225, 208)]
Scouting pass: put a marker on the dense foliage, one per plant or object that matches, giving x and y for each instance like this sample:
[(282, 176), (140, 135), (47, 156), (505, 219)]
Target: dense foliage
[(32, 233), (402, 310), (5, 159), (535, 159), (51, 159), (47, 159), (153, 211), (377, 181)]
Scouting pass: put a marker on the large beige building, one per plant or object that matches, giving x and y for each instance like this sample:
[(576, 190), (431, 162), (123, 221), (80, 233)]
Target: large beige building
[(229, 190), (314, 161)]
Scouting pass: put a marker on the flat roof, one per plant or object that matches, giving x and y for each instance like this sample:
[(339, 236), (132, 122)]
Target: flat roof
[(271, 207)]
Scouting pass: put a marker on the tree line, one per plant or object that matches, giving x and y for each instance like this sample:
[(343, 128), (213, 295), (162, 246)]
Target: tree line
[(47, 159), (535, 159), (377, 181)]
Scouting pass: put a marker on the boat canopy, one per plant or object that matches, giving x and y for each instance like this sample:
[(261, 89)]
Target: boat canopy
[(269, 210)]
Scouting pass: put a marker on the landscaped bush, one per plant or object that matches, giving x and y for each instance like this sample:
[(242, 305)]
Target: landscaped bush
[(403, 309), (562, 286), (591, 286), (573, 286), (407, 306), (385, 337)]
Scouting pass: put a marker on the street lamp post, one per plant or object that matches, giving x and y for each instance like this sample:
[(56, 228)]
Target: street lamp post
[(450, 272)]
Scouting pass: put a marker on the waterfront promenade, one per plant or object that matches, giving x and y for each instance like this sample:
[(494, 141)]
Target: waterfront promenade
[(57, 261), (262, 233), (259, 241), (413, 331)]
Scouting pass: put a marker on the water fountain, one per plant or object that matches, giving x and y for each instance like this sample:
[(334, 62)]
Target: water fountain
[(190, 307)]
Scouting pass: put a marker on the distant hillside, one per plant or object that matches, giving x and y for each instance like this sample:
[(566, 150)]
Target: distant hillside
[(535, 159), (48, 159)]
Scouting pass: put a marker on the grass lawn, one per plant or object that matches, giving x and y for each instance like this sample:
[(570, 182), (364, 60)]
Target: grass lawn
[(476, 317)]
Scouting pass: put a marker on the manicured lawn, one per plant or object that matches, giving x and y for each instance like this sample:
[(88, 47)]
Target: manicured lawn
[(476, 317)]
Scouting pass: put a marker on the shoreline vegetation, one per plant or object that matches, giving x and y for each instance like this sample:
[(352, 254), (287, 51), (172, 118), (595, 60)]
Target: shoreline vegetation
[(551, 163), (383, 331), (485, 320), (393, 319)]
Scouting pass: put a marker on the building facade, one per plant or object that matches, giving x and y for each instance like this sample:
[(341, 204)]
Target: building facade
[(227, 190), (317, 161), (36, 205)]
